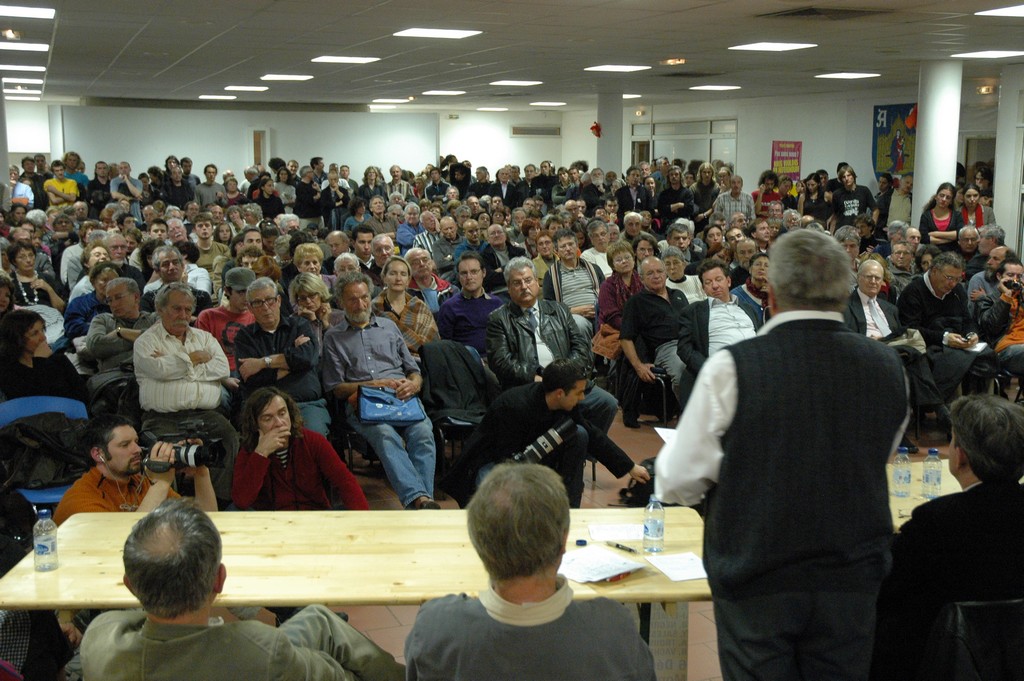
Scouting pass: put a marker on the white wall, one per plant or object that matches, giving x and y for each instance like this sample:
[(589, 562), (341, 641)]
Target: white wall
[(28, 130), (485, 138)]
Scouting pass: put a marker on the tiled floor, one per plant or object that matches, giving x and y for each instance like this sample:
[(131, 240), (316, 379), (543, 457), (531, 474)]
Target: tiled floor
[(389, 625)]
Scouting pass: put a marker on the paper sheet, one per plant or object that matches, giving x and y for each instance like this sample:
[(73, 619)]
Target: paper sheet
[(679, 567), (617, 532), (594, 564)]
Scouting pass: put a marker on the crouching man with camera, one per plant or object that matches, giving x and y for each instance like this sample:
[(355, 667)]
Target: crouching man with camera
[(540, 423), (124, 477), (1000, 319)]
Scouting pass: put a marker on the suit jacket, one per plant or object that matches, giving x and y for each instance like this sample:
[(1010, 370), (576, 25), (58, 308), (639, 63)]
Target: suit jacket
[(694, 341), (511, 199), (853, 315), (959, 547), (626, 202)]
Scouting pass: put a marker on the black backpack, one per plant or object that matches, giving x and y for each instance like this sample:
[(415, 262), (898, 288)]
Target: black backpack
[(41, 450), (637, 494)]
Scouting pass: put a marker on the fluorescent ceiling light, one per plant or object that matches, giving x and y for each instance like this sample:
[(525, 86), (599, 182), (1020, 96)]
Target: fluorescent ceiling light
[(247, 88), (25, 47), (22, 99), (27, 69), (492, 108), (377, 107), (25, 81), (27, 12), (1015, 11), (217, 97), (773, 47), (447, 33), (842, 75), (328, 59), (285, 76), (632, 96), (988, 54), (445, 93), (386, 100), (517, 83), (617, 68), (715, 88), (22, 91), (547, 103)]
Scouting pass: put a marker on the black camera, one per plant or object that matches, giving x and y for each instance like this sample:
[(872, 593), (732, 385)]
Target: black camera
[(546, 442), (211, 453), (1013, 285)]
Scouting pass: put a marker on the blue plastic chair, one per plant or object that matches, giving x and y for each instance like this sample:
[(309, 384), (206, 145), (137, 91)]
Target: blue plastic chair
[(12, 410)]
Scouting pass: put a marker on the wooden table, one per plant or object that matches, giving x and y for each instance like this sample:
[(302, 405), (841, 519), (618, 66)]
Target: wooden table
[(333, 558), (901, 507)]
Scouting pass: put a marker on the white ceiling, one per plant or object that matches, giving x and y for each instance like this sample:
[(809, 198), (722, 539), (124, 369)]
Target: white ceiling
[(180, 49)]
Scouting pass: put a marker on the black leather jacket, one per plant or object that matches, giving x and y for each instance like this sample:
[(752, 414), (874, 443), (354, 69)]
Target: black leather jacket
[(511, 352)]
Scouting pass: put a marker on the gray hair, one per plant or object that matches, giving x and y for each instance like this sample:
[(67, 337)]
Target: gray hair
[(994, 232), (260, 284), (967, 230), (37, 217), (174, 287), (517, 265), (518, 520), (345, 257), (680, 225), (847, 233), (463, 210), (414, 209), (286, 218), (897, 227), (810, 271), (98, 235), (350, 278), (130, 284), (790, 212), (990, 431), (161, 251), (631, 215), (669, 252), (381, 238), (171, 559), (948, 259), (252, 209), (595, 225)]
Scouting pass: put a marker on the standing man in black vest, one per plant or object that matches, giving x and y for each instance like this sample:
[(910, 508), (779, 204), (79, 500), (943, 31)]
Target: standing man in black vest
[(797, 519)]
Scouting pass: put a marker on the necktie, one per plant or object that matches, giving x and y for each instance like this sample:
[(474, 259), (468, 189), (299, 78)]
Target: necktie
[(532, 312), (876, 314)]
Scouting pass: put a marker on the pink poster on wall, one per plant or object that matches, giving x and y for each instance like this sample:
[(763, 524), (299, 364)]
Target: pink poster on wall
[(786, 158)]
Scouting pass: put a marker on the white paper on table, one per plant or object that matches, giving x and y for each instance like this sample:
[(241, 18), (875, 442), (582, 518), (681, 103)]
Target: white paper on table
[(617, 532), (668, 435), (680, 567), (978, 347), (594, 564)]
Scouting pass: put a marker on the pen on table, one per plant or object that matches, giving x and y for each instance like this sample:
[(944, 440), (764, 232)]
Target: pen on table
[(623, 547)]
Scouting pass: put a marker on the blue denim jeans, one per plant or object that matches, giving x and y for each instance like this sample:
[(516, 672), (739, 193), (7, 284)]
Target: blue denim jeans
[(315, 416), (599, 408), (408, 455)]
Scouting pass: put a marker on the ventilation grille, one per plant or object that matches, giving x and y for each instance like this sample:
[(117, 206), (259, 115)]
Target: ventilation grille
[(831, 13), (536, 131), (691, 74)]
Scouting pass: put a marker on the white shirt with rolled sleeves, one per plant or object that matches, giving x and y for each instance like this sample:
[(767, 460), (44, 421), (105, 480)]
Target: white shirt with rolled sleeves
[(170, 382)]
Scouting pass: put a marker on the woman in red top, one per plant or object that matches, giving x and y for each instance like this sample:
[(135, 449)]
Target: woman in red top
[(281, 466)]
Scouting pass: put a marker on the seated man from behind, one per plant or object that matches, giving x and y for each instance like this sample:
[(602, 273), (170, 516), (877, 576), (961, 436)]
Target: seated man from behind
[(283, 466), (959, 547), (363, 349), (118, 481), (172, 564), (526, 624)]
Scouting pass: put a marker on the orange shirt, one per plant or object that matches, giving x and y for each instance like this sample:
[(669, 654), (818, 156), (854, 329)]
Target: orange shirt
[(94, 493)]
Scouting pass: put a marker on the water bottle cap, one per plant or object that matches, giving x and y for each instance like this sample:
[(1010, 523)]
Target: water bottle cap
[(44, 513), (902, 450), (933, 450)]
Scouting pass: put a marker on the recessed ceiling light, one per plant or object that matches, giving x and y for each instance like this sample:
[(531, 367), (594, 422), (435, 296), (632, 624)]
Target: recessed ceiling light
[(247, 88), (11, 34), (773, 47), (217, 97), (24, 81), (547, 103), (391, 101), (517, 83), (988, 54), (445, 93), (27, 69), (22, 91), (328, 59), (1015, 11), (617, 68), (22, 99), (675, 61), (448, 33), (715, 88), (842, 75), (378, 107), (985, 89), (27, 12), (492, 108), (285, 76), (632, 96), (25, 47)]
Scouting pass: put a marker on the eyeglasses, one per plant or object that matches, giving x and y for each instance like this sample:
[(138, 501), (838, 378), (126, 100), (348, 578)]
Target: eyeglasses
[(521, 283), (306, 297), (951, 278), (262, 302)]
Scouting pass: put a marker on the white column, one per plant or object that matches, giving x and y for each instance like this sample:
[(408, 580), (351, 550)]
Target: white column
[(609, 145), (3, 136), (938, 128), (1008, 187)]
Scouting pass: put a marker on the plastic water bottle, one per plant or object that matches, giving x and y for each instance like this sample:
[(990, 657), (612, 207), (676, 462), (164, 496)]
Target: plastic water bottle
[(901, 473), (932, 486), (654, 526), (44, 540)]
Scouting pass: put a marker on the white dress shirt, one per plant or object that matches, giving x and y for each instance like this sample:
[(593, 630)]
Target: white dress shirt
[(168, 381)]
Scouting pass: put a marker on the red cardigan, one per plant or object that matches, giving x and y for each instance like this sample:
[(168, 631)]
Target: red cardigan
[(262, 484)]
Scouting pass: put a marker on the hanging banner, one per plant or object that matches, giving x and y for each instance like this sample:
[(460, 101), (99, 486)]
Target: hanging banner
[(894, 139), (786, 159)]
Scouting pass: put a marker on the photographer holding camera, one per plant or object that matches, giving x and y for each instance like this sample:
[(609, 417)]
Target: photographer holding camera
[(123, 478), (1000, 319)]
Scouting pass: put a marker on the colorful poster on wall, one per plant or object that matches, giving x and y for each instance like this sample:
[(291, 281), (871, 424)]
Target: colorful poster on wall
[(786, 158), (894, 139)]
